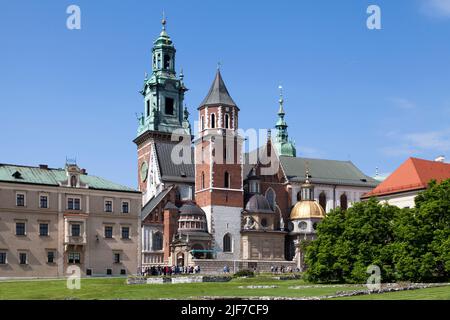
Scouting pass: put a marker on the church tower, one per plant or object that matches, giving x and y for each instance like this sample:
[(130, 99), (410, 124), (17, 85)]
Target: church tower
[(164, 113), (283, 145), (218, 169), (163, 92)]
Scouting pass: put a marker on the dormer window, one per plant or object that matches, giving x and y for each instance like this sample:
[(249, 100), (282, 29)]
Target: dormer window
[(73, 181), (17, 175)]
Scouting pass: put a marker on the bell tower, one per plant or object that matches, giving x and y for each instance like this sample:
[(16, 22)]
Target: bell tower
[(164, 112), (163, 92), (218, 169)]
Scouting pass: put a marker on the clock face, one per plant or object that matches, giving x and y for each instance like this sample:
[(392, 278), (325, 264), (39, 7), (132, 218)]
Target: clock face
[(302, 225), (144, 171)]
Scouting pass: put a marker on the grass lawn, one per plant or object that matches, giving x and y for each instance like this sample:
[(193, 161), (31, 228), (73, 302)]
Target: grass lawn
[(115, 288), (439, 293)]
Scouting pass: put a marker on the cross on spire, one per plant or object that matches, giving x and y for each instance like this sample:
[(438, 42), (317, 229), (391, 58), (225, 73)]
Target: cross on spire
[(163, 21)]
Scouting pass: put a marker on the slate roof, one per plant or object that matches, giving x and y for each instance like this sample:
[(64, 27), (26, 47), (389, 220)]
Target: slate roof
[(218, 93), (148, 208), (52, 177), (326, 172), (413, 174), (184, 172)]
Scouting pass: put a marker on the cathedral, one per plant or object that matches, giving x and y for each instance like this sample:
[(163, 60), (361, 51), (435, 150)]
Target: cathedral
[(221, 205)]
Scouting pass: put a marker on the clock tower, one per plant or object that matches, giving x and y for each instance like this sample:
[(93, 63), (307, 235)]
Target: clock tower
[(164, 113), (218, 169)]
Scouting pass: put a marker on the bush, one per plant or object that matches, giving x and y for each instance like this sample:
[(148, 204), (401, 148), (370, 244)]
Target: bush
[(244, 273)]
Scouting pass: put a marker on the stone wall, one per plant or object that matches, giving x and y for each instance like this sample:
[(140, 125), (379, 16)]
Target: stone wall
[(216, 266)]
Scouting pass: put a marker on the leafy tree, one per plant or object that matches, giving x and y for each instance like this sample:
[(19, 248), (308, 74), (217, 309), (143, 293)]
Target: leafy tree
[(350, 241), (407, 244), (422, 248)]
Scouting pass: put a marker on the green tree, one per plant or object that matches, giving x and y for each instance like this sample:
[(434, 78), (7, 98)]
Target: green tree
[(350, 241), (422, 246)]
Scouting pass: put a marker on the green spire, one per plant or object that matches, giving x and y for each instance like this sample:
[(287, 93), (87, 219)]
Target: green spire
[(283, 145), (163, 91)]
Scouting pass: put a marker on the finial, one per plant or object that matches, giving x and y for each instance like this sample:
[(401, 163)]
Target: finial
[(219, 64), (163, 21), (280, 87), (307, 172), (181, 74), (145, 75)]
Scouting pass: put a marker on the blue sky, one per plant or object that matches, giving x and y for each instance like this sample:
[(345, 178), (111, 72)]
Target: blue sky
[(374, 97)]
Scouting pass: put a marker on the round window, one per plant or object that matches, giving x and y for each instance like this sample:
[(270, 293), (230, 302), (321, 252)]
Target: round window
[(302, 225)]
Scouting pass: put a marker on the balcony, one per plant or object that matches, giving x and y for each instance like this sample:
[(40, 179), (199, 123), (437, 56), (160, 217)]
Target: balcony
[(73, 240)]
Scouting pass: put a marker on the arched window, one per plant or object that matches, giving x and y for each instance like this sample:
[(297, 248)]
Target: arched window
[(157, 241), (213, 120), (73, 181), (344, 201), (323, 200), (203, 180), (202, 123), (270, 196), (227, 243), (227, 121), (166, 61), (226, 180)]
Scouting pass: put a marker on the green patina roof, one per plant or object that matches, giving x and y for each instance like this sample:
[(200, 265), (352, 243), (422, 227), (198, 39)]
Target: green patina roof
[(325, 171), (52, 177)]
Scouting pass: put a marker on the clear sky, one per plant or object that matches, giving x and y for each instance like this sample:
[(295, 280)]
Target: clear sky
[(374, 97)]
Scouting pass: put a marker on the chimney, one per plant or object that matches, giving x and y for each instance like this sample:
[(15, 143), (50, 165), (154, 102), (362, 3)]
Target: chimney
[(43, 166), (440, 159)]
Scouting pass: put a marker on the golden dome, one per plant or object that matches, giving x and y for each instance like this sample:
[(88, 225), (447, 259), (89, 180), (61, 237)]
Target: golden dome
[(307, 209)]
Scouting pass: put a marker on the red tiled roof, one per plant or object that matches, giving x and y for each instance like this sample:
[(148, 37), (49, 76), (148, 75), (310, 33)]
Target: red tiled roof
[(413, 174)]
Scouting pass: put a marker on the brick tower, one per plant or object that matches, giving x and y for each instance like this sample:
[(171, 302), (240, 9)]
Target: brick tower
[(218, 169)]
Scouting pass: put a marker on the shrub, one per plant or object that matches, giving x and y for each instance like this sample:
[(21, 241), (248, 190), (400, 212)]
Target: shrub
[(244, 273)]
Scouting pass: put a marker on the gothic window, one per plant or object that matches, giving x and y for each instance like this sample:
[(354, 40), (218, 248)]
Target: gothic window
[(157, 241), (323, 200), (227, 243), (169, 106), (202, 123), (270, 196), (227, 121), (166, 61), (344, 201), (226, 180), (73, 181), (213, 120)]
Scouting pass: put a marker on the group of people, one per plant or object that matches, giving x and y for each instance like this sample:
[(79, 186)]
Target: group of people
[(283, 269), (170, 270)]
